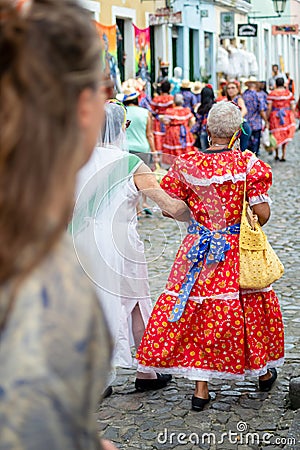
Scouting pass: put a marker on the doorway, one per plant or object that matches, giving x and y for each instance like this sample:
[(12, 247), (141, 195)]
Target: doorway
[(152, 55), (191, 50), (121, 48)]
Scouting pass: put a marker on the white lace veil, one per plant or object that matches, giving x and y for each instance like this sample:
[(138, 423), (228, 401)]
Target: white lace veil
[(100, 220), (113, 133)]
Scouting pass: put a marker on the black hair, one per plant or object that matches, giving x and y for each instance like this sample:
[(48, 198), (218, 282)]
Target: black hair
[(264, 86), (134, 101), (275, 65), (165, 87), (207, 100), (279, 82)]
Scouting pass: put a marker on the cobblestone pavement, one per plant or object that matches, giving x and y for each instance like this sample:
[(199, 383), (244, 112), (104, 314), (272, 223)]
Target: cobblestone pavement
[(261, 420)]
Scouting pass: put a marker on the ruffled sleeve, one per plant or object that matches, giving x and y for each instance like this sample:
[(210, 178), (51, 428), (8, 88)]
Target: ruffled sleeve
[(174, 183), (259, 180)]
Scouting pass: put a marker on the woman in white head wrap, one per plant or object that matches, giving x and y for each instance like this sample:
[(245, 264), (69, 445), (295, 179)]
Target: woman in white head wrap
[(104, 227)]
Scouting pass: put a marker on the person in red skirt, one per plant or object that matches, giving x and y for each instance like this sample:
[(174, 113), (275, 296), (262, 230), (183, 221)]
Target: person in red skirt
[(281, 116), (159, 105), (203, 325), (178, 138)]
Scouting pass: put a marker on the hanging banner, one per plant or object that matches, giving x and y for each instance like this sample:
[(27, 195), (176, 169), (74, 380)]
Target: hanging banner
[(285, 29), (165, 16), (108, 36), (142, 53), (247, 30), (227, 25)]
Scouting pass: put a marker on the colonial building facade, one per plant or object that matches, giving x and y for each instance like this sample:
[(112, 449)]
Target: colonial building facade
[(193, 43)]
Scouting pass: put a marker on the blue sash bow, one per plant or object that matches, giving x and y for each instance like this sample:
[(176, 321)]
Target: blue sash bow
[(210, 244), (162, 127), (281, 114), (182, 136)]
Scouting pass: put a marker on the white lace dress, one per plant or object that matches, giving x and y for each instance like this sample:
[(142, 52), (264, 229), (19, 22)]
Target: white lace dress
[(104, 227)]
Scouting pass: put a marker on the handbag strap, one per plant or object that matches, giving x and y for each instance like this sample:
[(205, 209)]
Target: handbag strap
[(245, 192)]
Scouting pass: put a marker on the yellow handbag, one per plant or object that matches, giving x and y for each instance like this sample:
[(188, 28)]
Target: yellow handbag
[(259, 264)]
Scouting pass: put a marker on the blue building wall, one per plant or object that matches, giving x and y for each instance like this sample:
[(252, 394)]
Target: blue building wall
[(192, 20)]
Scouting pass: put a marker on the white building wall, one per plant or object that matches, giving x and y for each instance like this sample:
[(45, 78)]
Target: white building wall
[(129, 14), (93, 7)]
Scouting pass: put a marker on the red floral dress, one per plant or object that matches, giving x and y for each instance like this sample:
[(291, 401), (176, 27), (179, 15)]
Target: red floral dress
[(178, 138), (282, 118), (223, 331), (159, 105)]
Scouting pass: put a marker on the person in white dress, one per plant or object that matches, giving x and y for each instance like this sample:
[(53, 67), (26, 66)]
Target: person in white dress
[(104, 226)]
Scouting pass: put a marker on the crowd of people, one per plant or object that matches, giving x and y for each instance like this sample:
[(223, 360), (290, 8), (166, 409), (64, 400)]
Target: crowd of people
[(74, 291), (263, 112)]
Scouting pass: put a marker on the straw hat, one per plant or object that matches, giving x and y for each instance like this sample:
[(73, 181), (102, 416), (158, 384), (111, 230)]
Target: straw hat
[(251, 80), (185, 84), (130, 94), (120, 97), (196, 87)]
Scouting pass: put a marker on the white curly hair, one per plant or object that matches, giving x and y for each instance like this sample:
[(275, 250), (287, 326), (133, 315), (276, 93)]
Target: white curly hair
[(224, 119)]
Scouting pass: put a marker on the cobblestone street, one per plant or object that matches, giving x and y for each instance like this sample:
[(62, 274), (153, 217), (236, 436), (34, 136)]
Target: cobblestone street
[(261, 420)]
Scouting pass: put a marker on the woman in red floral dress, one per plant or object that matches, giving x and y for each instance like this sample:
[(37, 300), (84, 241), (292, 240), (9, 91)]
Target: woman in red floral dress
[(159, 104), (178, 138), (203, 325), (281, 116)]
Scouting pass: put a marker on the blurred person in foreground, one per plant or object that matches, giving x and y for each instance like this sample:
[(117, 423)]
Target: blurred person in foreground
[(281, 116), (203, 326), (105, 226), (55, 346)]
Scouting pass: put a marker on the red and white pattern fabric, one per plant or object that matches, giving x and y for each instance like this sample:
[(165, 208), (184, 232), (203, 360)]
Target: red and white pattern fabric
[(282, 129), (223, 331), (159, 105), (178, 138)]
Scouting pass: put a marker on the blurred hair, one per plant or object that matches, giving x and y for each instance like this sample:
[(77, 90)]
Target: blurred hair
[(165, 87), (47, 58), (207, 100), (178, 99), (263, 86), (224, 119), (279, 82)]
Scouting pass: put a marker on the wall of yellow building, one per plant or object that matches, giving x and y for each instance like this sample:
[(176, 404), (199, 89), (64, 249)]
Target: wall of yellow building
[(142, 10)]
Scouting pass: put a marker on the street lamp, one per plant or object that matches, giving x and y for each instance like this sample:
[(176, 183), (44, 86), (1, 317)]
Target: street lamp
[(279, 6)]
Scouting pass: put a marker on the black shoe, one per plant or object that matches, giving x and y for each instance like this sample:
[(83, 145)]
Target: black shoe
[(265, 385), (199, 403), (152, 385), (276, 158), (283, 160), (108, 391)]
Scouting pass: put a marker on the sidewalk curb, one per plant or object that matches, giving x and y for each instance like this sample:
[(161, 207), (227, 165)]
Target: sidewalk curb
[(294, 433)]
